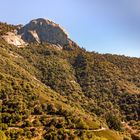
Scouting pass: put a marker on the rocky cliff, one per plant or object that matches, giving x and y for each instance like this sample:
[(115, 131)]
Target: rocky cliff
[(39, 31), (43, 30)]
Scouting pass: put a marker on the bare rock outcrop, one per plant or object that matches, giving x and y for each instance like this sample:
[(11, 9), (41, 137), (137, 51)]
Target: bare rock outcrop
[(14, 39), (42, 30)]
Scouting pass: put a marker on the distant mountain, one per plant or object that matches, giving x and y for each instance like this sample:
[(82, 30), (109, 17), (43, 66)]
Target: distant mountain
[(50, 88)]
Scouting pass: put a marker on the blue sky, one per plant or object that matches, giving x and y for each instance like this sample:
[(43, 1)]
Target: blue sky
[(105, 26)]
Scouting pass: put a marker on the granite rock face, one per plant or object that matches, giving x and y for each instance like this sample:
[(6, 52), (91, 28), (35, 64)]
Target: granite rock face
[(14, 39), (42, 30)]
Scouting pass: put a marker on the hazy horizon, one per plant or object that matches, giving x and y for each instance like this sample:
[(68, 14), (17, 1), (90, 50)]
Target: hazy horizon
[(104, 26)]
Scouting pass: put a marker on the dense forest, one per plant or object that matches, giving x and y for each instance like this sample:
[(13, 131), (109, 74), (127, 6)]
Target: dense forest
[(50, 93)]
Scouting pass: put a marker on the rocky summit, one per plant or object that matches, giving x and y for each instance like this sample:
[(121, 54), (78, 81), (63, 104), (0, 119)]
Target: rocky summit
[(39, 31), (43, 30)]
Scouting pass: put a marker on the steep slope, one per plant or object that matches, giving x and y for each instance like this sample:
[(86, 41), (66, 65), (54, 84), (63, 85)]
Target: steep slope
[(29, 107), (67, 93)]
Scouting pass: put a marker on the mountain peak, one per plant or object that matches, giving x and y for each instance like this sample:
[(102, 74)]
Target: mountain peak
[(42, 21), (43, 30), (38, 31)]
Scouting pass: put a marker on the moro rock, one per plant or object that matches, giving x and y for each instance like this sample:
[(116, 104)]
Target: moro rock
[(42, 30)]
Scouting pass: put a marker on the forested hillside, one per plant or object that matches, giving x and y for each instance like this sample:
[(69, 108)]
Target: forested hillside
[(52, 93)]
